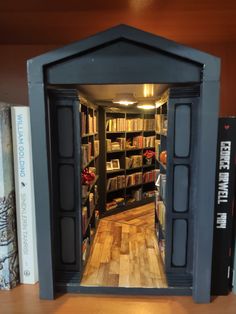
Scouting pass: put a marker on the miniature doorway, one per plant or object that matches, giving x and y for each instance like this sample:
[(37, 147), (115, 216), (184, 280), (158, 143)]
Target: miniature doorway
[(139, 57)]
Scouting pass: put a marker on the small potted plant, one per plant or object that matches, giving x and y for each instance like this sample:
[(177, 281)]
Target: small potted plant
[(149, 154)]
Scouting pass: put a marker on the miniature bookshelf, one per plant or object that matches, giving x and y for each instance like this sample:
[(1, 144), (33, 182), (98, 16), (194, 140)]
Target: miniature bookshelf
[(160, 200), (128, 180), (90, 161)]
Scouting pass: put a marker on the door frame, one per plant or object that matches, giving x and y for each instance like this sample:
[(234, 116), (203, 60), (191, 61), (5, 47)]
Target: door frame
[(207, 134)]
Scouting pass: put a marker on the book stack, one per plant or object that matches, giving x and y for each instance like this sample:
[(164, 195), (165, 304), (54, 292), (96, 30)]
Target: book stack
[(111, 205), (119, 201), (164, 124), (137, 142), (96, 148), (134, 179), (149, 141), (118, 144), (95, 194), (121, 141), (150, 176), (134, 124), (163, 186), (85, 249), (86, 153), (133, 161), (115, 183), (95, 124), (161, 213), (148, 194), (90, 124), (137, 194), (83, 123), (115, 125), (96, 216), (157, 149), (91, 202), (158, 123), (148, 124), (84, 218)]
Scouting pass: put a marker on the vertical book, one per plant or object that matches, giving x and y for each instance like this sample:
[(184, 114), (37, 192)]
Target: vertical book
[(9, 272), (224, 207), (24, 186)]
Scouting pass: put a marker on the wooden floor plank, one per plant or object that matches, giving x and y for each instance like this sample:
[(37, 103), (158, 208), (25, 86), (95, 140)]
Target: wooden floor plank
[(125, 252)]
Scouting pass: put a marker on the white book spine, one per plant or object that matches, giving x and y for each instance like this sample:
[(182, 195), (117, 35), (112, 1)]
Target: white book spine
[(25, 203)]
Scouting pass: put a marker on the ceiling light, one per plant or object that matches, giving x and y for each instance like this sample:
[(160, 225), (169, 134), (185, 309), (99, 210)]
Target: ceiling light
[(146, 105), (124, 99)]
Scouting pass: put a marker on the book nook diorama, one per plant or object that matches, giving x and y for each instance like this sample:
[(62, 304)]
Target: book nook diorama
[(124, 165)]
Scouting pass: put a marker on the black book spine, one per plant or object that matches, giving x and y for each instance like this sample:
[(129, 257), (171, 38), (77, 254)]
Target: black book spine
[(224, 207)]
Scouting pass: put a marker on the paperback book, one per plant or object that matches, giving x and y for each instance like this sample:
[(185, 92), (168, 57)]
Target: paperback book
[(223, 245), (9, 269), (24, 185)]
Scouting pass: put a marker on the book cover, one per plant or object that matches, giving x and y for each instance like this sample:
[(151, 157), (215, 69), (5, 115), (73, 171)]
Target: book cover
[(224, 207), (9, 269), (24, 186)]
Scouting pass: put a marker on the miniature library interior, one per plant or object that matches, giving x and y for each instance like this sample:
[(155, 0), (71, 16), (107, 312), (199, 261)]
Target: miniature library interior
[(124, 135), (124, 194)]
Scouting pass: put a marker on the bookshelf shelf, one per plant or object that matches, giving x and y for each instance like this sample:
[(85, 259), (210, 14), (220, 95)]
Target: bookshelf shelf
[(115, 132), (110, 191), (88, 221), (139, 134), (128, 169), (115, 151), (133, 149), (161, 145), (149, 166), (88, 134), (134, 186), (90, 147), (115, 171)]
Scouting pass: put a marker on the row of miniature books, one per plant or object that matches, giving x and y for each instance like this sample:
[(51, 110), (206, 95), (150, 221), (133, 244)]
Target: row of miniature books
[(85, 213), (136, 195), (88, 123), (118, 144), (88, 240), (161, 245), (133, 161), (129, 125), (161, 185), (121, 143), (86, 152), (157, 148), (161, 123), (18, 247), (161, 213), (122, 181)]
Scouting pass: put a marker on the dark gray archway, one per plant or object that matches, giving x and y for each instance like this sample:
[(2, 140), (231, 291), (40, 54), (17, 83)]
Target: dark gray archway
[(127, 55)]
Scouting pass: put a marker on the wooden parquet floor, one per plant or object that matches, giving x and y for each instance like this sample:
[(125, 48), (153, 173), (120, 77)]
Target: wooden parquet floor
[(125, 252)]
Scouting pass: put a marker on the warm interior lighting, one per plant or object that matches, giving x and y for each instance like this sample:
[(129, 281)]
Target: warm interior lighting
[(146, 106), (148, 90), (158, 102), (124, 99)]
